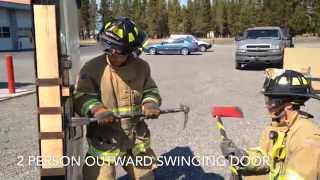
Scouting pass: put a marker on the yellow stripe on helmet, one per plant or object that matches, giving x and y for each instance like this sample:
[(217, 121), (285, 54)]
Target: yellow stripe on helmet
[(145, 43), (131, 37), (136, 30), (118, 31), (107, 25), (295, 81), (305, 81)]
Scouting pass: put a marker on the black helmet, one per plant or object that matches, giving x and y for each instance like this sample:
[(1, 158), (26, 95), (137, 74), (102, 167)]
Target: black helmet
[(121, 34), (288, 84)]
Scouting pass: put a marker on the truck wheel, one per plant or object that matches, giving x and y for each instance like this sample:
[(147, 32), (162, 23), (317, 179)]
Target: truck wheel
[(238, 66), (184, 51), (202, 48)]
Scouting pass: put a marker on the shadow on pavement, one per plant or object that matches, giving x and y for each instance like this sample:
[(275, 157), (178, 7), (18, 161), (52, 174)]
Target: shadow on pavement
[(182, 172), (261, 67), (4, 85)]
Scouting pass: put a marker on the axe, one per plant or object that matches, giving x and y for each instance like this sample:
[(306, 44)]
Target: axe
[(225, 111), (79, 121), (232, 112)]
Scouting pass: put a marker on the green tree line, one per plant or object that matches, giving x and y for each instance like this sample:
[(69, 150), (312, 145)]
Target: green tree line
[(225, 18)]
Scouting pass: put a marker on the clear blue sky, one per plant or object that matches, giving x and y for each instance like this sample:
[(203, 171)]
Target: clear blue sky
[(184, 2)]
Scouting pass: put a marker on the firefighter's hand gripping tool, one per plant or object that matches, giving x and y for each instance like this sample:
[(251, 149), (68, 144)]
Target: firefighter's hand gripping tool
[(80, 121)]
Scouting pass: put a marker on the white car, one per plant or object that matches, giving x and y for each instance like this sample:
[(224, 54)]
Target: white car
[(203, 46)]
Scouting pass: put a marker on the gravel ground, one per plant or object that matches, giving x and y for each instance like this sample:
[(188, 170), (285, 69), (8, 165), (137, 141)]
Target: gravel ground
[(200, 81)]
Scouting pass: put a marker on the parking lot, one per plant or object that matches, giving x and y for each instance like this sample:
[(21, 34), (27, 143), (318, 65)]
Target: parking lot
[(200, 80)]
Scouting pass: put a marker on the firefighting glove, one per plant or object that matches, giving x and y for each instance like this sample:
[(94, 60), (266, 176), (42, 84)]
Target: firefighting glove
[(104, 117), (151, 110), (230, 151)]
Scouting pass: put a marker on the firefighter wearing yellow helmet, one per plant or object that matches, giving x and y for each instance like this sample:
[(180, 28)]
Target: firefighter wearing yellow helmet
[(116, 83), (289, 147)]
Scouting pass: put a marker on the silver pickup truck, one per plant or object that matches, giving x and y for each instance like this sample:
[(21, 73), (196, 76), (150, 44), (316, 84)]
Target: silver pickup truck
[(262, 45)]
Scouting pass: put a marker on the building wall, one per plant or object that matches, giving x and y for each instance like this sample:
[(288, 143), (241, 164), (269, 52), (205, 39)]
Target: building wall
[(19, 23), (24, 31), (5, 38)]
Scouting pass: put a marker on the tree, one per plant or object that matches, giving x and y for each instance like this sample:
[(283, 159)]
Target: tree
[(234, 17), (196, 18), (126, 9), (248, 15), (316, 18), (218, 16), (225, 17), (93, 15), (105, 10), (187, 17), (136, 10), (174, 16), (299, 21), (138, 13), (85, 19), (144, 5), (152, 18), (163, 29), (206, 16)]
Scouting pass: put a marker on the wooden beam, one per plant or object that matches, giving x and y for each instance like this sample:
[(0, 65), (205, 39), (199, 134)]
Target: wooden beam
[(49, 88)]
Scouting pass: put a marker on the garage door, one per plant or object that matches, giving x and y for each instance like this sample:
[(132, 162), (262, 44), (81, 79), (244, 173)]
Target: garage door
[(5, 36)]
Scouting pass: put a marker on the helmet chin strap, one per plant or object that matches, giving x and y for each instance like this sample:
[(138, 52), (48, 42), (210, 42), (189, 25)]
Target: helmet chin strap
[(279, 114), (115, 66)]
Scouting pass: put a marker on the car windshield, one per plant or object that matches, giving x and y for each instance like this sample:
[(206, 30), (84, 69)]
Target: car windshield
[(259, 34)]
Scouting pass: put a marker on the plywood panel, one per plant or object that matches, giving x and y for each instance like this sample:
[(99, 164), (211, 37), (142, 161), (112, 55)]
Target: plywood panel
[(303, 60), (49, 96), (46, 41), (52, 153), (50, 123)]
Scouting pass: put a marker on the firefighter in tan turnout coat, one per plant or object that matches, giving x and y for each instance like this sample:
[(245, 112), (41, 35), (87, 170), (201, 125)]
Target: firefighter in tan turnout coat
[(116, 83), (289, 147)]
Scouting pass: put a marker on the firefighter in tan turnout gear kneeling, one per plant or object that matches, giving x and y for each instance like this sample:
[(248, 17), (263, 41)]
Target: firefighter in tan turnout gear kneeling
[(289, 147), (116, 83)]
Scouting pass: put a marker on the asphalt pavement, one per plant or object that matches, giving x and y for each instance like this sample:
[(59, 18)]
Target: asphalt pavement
[(200, 80)]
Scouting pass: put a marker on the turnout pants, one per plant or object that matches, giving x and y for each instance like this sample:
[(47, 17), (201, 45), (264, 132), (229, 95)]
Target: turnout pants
[(106, 171)]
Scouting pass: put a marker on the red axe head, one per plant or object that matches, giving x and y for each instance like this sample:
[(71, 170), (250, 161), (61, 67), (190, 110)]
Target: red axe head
[(226, 111)]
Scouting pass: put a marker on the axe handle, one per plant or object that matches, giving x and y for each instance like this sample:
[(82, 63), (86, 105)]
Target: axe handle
[(79, 121), (167, 111), (221, 128), (224, 137)]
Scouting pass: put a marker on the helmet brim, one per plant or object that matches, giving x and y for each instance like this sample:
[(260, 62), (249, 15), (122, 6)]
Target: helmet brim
[(314, 96)]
